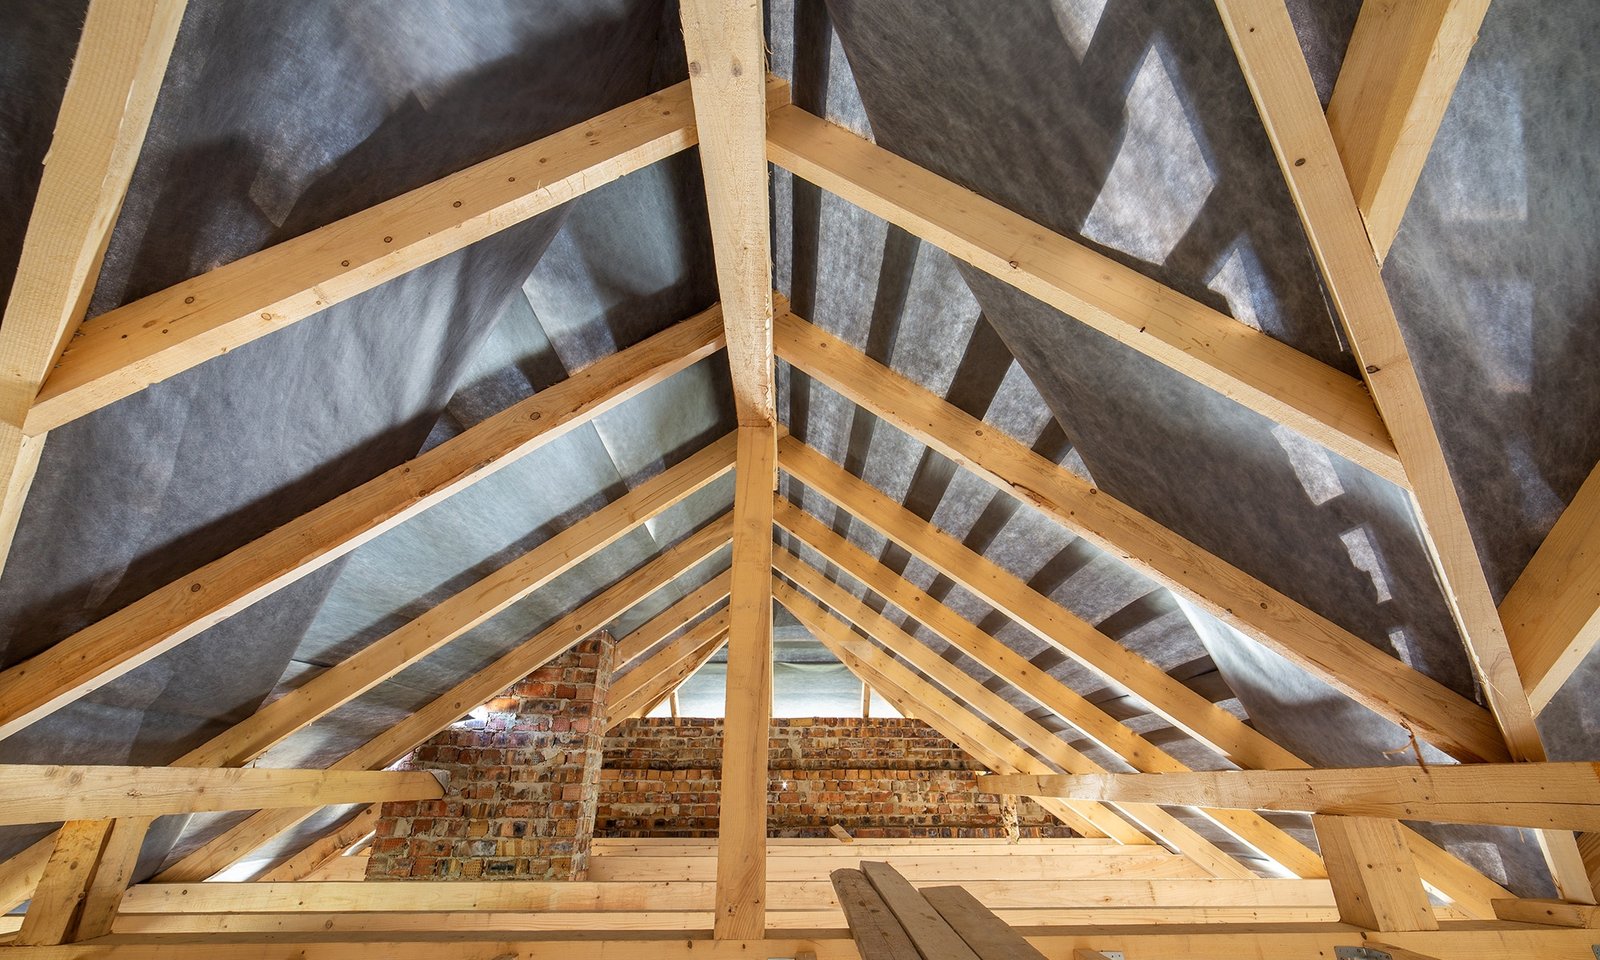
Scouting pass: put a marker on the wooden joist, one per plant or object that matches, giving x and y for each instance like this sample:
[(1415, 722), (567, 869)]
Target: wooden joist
[(726, 46), (59, 900), (675, 678), (1243, 364), (1557, 913), (1276, 72), (36, 793), (105, 111), (137, 633), (1374, 879), (1399, 71), (635, 692), (1350, 664), (325, 848), (1016, 670), (668, 621), (151, 339), (742, 823), (1536, 795)]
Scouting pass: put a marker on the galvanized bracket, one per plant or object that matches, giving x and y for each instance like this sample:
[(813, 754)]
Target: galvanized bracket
[(1361, 953)]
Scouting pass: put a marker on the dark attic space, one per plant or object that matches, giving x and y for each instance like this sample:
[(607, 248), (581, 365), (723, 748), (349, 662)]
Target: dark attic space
[(845, 479)]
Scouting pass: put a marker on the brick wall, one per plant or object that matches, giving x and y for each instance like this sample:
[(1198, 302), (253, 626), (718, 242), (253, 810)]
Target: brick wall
[(522, 784), (876, 778)]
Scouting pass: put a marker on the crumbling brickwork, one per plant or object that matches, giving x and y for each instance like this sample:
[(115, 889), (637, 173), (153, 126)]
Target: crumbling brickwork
[(522, 784)]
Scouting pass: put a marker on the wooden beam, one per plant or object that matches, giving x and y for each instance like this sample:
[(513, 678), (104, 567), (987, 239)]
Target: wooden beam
[(726, 46), (1354, 667), (1399, 73), (58, 902), (990, 937), (1535, 795), (188, 606), (1557, 913), (1375, 881), (1078, 639), (394, 742), (742, 827), (997, 709), (1016, 670), (873, 927), (635, 693), (105, 111), (149, 340), (679, 675), (1243, 364), (933, 937), (1552, 613), (953, 719), (42, 794), (668, 621), (112, 874), (324, 848), (1275, 70)]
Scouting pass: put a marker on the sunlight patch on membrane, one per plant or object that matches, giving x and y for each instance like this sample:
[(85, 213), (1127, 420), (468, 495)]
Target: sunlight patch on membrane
[(1500, 330), (1401, 641), (1364, 556), (1078, 20), (1161, 177), (1478, 167), (1311, 464), (1240, 277)]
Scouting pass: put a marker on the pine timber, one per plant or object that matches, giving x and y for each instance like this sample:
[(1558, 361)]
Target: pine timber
[(1276, 72), (1374, 879), (1553, 912), (677, 676), (873, 926), (664, 624), (112, 874), (147, 341), (1241, 363), (1552, 612), (742, 817), (37, 793), (933, 937), (990, 937), (655, 676), (186, 607), (951, 718), (1535, 795), (1399, 72), (395, 742), (998, 710), (105, 111), (325, 848), (58, 902), (1353, 666), (1016, 670), (726, 45)]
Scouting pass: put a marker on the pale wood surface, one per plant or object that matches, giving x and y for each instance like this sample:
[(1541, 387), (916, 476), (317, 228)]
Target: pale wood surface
[(110, 94), (1350, 664), (1275, 70), (1536, 795), (1554, 912), (1241, 363), (934, 938), (186, 607), (663, 624), (667, 688), (1374, 879), (635, 693), (111, 876), (873, 927), (324, 848), (725, 42), (1399, 72), (41, 794), (1552, 612), (151, 339), (742, 820), (1151, 862), (57, 903), (990, 937), (1018, 671)]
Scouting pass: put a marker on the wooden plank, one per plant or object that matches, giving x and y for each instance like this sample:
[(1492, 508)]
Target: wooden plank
[(934, 938), (1350, 664), (874, 848), (1552, 612), (1375, 881), (873, 927), (663, 624), (110, 94), (111, 876), (58, 902), (680, 674), (997, 709), (1400, 70), (990, 937), (395, 741), (1535, 795), (37, 793), (1554, 912), (1275, 70), (951, 718), (186, 607), (151, 339), (742, 826), (1243, 364), (1016, 670), (636, 693), (726, 47), (324, 848), (1154, 863)]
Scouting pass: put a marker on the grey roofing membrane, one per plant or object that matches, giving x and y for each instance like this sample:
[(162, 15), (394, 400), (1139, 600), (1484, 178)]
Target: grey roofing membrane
[(1124, 123)]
